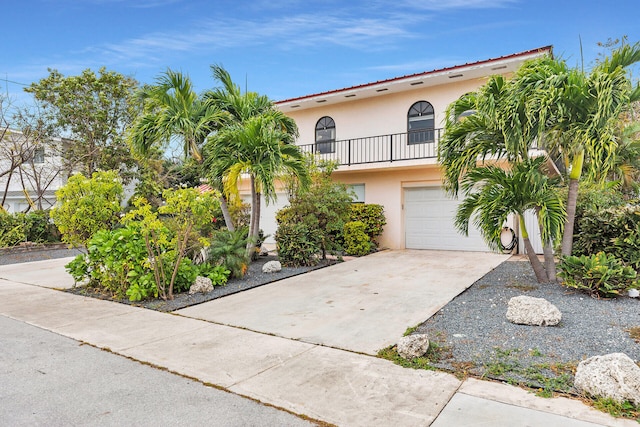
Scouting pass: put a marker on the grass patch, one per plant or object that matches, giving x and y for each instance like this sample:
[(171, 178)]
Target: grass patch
[(522, 287), (634, 333), (435, 353), (617, 409), (410, 330)]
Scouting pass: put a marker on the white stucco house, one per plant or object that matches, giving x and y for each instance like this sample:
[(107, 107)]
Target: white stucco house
[(384, 135)]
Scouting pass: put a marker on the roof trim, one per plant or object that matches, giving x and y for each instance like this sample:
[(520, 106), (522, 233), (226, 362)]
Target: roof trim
[(539, 50)]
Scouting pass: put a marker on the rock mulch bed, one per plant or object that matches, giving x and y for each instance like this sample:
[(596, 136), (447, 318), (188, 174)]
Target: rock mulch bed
[(479, 340)]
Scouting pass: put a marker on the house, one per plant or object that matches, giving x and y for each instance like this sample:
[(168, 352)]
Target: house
[(30, 172), (385, 135)]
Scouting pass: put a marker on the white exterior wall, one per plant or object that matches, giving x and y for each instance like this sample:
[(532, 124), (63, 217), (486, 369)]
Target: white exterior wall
[(380, 115)]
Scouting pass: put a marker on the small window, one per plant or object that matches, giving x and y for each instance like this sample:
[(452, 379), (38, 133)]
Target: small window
[(38, 155), (325, 135), (358, 192), (420, 126)]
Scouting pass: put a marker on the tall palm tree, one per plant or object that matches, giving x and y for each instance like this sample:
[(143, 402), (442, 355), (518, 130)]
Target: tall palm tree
[(260, 148), (493, 193), (576, 114), (257, 140), (174, 110)]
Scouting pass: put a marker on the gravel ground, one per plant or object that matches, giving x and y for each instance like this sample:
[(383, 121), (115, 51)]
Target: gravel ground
[(254, 277), (480, 340), (35, 253)]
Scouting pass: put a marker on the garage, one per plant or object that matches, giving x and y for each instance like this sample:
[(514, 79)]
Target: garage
[(428, 219)]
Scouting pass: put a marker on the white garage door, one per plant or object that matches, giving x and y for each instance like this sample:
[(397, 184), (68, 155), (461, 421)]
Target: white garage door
[(429, 215)]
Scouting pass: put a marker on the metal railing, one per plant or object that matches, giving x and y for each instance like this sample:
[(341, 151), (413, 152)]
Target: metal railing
[(377, 149)]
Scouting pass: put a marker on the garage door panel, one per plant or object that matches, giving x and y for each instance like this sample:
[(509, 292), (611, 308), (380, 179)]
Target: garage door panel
[(429, 216)]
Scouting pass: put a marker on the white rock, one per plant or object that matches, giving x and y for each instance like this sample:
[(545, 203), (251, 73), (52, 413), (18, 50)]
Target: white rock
[(613, 375), (202, 284), (413, 346), (526, 310), (271, 267)]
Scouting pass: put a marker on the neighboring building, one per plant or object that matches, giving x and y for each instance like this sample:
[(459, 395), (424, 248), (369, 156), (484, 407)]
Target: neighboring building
[(38, 170), (384, 135)]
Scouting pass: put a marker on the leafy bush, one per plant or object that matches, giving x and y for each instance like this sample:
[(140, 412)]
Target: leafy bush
[(298, 245), (18, 227), (87, 205), (12, 229), (356, 241), (229, 249), (372, 216), (599, 275), (615, 231), (218, 274), (323, 208)]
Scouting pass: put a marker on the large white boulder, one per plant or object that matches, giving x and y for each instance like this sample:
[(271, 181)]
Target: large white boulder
[(271, 267), (413, 346), (525, 310), (202, 285), (613, 375)]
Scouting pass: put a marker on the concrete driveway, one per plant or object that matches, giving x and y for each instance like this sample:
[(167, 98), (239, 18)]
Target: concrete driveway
[(361, 305)]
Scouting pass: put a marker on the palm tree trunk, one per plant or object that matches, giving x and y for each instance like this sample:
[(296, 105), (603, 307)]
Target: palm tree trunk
[(225, 213), (547, 249), (254, 220), (572, 199), (538, 268), (549, 261)]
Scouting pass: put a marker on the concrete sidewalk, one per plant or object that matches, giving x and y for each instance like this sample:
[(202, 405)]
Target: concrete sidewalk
[(336, 386)]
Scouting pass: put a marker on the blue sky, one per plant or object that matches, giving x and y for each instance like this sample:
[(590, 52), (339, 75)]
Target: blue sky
[(290, 48)]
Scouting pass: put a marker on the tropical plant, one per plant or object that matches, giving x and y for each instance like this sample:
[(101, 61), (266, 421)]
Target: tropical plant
[(545, 105), (172, 109), (257, 141), (372, 216), (356, 240), (228, 248), (87, 205), (324, 207), (298, 244), (599, 274), (493, 193)]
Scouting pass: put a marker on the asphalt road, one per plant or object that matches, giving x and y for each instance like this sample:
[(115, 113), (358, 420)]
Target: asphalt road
[(48, 379)]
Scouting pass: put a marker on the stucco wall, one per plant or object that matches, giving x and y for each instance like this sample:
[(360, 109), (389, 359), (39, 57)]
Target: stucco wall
[(381, 115)]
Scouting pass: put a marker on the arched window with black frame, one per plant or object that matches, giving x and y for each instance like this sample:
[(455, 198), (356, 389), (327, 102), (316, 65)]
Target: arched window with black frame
[(420, 123), (325, 135)]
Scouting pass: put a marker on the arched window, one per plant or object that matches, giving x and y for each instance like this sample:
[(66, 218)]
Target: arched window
[(325, 135), (420, 123)]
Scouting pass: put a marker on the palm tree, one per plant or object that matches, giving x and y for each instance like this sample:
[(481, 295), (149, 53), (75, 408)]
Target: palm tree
[(260, 148), (545, 105), (174, 110), (257, 140), (493, 193), (576, 114)]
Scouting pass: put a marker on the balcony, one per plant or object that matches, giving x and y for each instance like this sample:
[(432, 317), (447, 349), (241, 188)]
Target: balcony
[(377, 149)]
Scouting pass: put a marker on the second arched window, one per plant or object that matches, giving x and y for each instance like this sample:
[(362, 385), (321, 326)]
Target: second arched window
[(420, 123), (325, 135)]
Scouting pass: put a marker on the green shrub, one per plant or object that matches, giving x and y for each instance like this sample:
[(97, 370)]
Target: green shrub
[(218, 274), (323, 208), (298, 245), (87, 205), (372, 216), (18, 227), (13, 230), (356, 241), (229, 249), (599, 275)]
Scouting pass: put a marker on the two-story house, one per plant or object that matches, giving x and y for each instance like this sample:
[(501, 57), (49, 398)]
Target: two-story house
[(385, 135)]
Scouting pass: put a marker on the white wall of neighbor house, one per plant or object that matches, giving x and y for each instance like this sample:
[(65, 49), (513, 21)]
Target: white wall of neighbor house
[(379, 115)]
